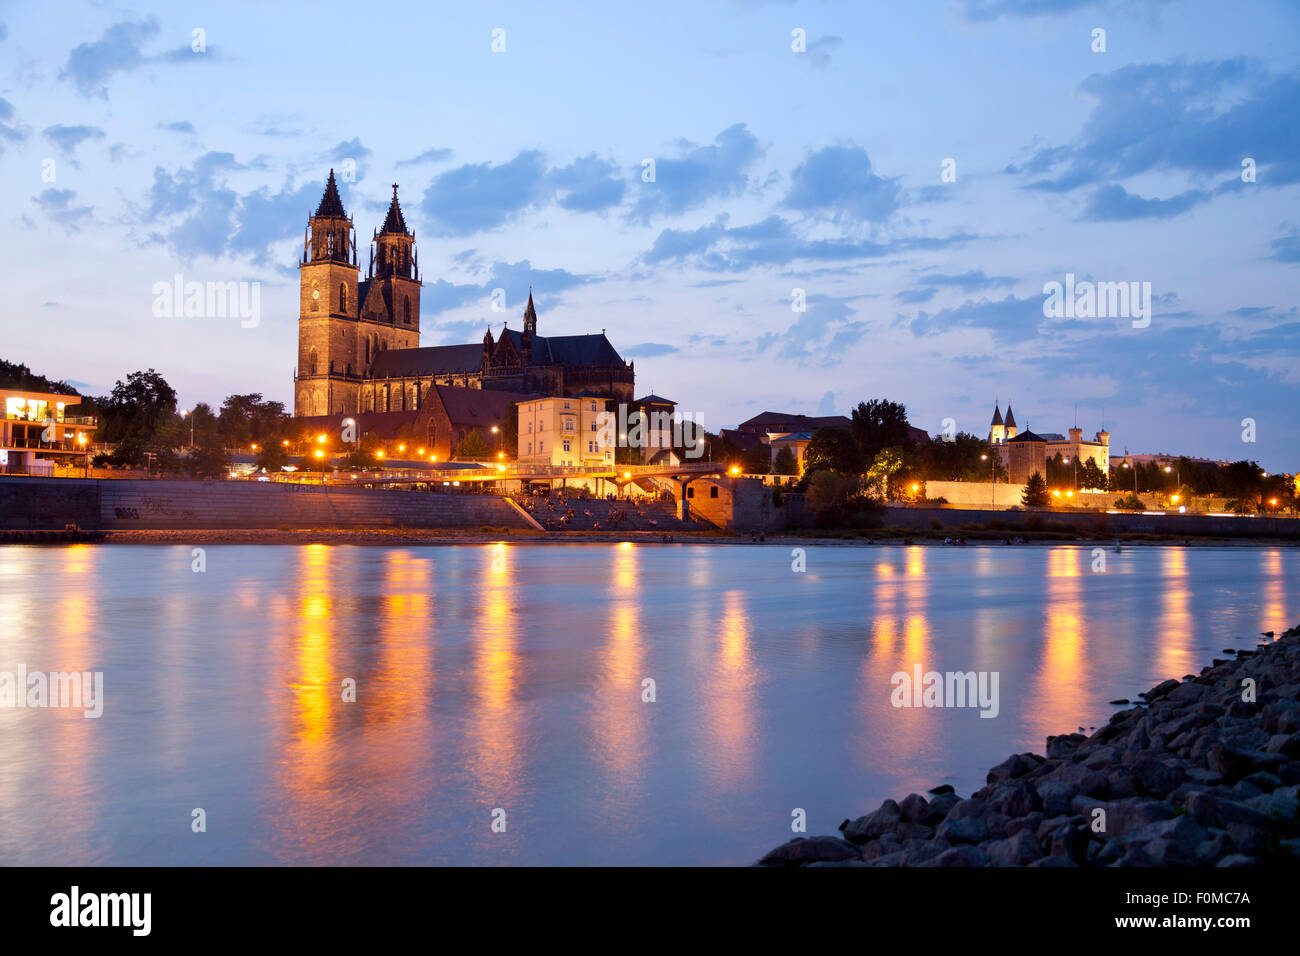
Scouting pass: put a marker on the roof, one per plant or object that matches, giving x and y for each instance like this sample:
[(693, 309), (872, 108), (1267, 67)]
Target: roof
[(395, 223), (1026, 436), (1052, 436), (742, 440), (330, 204), (399, 363), (997, 416), (478, 407), (592, 349), (782, 419), (653, 399), (793, 436), (379, 424), (1011, 419)]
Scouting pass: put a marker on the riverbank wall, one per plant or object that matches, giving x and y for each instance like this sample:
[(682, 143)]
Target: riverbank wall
[(128, 504)]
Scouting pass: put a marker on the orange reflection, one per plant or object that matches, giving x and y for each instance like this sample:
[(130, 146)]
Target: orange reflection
[(496, 750), (1058, 694), (621, 718), (730, 720)]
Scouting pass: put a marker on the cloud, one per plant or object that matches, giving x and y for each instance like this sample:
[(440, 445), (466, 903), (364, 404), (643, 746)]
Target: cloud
[(699, 174), (481, 196), (178, 126), (1286, 248), (516, 278), (4, 32), (91, 64), (57, 205), (773, 241), (650, 350), (1114, 203), (10, 132), (971, 281), (68, 138), (428, 156), (823, 328), (985, 10), (1199, 119), (837, 182), (819, 50), (588, 184), (1010, 320)]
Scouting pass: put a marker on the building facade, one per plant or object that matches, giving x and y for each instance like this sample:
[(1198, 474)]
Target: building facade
[(564, 430), (359, 339), (37, 432)]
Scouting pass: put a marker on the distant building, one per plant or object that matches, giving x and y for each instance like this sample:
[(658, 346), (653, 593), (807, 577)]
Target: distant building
[(1022, 455), (37, 431), (564, 431), (787, 430), (1072, 449)]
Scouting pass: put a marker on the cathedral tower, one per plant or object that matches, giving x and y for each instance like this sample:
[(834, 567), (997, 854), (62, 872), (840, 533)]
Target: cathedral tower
[(328, 375), (390, 294)]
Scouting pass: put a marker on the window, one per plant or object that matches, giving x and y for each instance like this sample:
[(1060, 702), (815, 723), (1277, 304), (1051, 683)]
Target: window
[(311, 363), (530, 428), (530, 448), (343, 297), (541, 445), (406, 310), (593, 427), (713, 491), (567, 406), (690, 492), (568, 424), (593, 407), (566, 445)]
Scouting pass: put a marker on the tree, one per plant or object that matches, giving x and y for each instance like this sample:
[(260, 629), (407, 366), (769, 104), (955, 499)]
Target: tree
[(272, 457), (208, 458), (473, 447), (510, 431), (879, 424), (1035, 493), (966, 458), (828, 494), (785, 464), (1091, 476), (833, 449), (758, 460), (887, 463), (137, 409)]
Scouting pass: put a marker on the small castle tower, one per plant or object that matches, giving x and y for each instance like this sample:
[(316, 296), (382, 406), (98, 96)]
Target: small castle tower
[(1011, 423), (997, 431)]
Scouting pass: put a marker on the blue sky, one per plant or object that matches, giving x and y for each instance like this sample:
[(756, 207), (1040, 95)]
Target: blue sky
[(775, 170)]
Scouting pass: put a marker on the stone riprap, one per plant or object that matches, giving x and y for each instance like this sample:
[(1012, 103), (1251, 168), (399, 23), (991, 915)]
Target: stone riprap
[(1206, 772)]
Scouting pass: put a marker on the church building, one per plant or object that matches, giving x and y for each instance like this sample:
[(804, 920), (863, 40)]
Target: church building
[(359, 339)]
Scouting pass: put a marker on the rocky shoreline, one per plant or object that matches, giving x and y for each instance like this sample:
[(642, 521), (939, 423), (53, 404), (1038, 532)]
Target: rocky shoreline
[(1204, 773)]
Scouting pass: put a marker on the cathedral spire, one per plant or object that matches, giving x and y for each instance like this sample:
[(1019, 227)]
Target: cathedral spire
[(530, 316), (395, 223), (331, 207)]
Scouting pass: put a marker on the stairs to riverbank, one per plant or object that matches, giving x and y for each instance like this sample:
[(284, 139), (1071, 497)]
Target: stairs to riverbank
[(153, 505)]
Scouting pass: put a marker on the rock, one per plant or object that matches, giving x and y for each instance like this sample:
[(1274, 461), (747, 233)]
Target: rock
[(1247, 839), (1056, 796), (1158, 777), (1054, 861), (1263, 781), (874, 824), (1238, 859), (1286, 744), (943, 804), (1015, 766), (1015, 800), (1069, 840), (1168, 842), (1282, 805), (914, 831), (803, 850), (960, 856), (1216, 848), (963, 829), (1127, 816), (941, 789), (1020, 849), (916, 809), (1164, 687), (1063, 745), (1028, 823)]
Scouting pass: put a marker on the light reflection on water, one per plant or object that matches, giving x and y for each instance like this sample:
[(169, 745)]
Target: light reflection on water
[(512, 677)]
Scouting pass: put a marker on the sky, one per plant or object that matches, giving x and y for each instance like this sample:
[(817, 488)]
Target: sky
[(913, 174)]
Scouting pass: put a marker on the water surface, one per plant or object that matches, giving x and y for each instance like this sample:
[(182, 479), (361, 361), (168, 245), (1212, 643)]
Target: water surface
[(510, 677)]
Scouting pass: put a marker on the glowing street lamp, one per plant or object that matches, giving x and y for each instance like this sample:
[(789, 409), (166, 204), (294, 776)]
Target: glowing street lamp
[(735, 470), (321, 439)]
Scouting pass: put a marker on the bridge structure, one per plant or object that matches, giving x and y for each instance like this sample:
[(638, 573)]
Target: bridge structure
[(681, 475)]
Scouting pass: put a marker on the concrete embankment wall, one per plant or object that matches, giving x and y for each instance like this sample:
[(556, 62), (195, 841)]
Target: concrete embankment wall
[(1174, 524), (133, 504)]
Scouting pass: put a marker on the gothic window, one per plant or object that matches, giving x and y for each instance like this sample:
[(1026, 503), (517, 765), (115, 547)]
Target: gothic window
[(406, 310), (311, 363), (315, 295), (343, 298)]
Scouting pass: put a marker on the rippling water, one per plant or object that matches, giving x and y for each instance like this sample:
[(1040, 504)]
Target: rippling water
[(511, 677)]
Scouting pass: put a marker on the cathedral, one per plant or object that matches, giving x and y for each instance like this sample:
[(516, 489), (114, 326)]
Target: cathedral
[(359, 339)]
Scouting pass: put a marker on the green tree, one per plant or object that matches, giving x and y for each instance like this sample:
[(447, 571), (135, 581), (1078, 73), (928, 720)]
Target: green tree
[(1091, 476), (879, 424), (785, 464), (473, 447), (833, 449), (880, 476), (272, 457), (137, 409), (1035, 493), (208, 458), (758, 460), (828, 494)]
